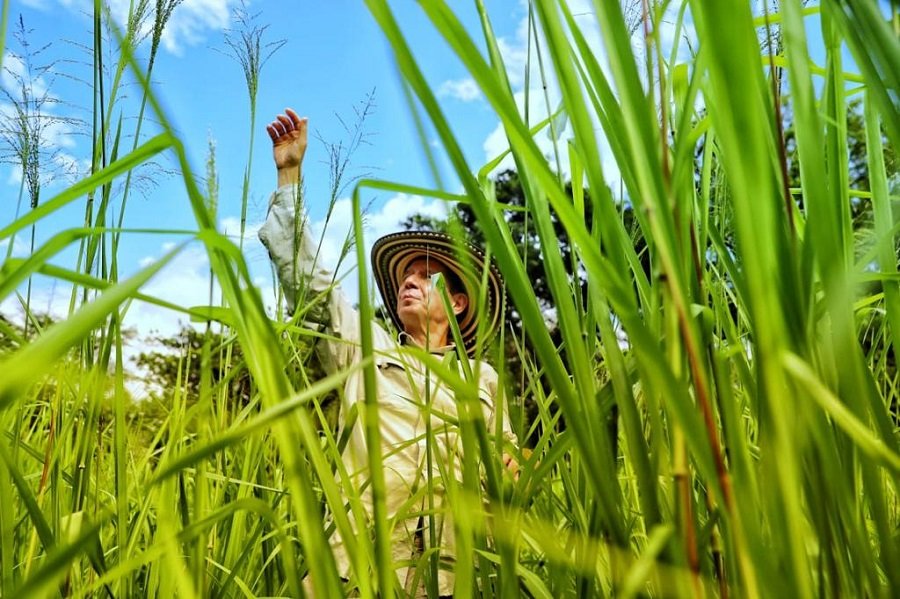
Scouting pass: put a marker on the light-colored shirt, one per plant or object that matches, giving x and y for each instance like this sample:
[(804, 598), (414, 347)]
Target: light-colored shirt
[(404, 387)]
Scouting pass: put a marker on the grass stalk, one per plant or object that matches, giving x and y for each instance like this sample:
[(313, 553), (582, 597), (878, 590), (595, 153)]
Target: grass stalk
[(714, 405)]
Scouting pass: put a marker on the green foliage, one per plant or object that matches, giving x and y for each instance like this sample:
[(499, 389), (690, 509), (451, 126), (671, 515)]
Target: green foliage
[(176, 367), (742, 443)]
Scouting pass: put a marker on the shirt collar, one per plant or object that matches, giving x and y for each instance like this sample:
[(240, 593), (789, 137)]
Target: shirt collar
[(405, 338)]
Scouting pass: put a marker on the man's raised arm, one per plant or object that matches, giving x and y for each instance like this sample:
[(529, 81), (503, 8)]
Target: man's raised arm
[(294, 252), (285, 234)]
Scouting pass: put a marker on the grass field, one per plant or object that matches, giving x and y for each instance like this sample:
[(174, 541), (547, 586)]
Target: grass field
[(755, 451)]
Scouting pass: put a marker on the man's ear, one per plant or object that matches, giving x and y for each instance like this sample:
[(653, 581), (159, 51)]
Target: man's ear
[(460, 303)]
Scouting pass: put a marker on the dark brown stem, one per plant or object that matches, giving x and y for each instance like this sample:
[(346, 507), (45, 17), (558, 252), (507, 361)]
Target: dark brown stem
[(45, 472), (709, 418), (683, 484), (718, 562)]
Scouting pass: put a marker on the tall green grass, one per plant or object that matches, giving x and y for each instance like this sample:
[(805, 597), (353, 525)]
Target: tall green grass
[(756, 452)]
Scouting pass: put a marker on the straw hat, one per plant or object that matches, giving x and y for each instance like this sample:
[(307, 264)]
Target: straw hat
[(392, 254)]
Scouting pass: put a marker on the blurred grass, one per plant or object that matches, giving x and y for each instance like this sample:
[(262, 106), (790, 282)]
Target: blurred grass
[(755, 447)]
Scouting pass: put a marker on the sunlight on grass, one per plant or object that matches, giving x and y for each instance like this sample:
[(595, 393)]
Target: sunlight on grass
[(715, 411)]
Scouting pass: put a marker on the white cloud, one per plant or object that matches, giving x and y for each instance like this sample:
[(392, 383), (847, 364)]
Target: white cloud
[(15, 74), (497, 142), (183, 281), (20, 248), (514, 50), (58, 134), (15, 175), (464, 90), (515, 58), (192, 20), (48, 296), (69, 167), (57, 167), (515, 55)]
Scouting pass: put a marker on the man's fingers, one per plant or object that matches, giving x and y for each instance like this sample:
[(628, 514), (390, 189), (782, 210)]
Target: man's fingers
[(273, 132), (286, 123), (277, 126), (296, 121), (511, 465)]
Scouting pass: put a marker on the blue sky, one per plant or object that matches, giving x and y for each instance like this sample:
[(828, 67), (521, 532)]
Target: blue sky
[(334, 57)]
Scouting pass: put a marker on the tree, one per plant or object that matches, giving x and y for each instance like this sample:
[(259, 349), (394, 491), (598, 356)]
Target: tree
[(179, 362), (12, 334), (178, 366)]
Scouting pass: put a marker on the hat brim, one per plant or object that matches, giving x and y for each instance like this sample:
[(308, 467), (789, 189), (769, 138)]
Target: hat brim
[(392, 254)]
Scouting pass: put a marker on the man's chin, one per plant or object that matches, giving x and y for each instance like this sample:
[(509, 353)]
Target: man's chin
[(408, 316), (410, 308)]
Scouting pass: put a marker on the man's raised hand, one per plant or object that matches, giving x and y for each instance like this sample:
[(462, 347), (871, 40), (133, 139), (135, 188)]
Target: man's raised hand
[(288, 133)]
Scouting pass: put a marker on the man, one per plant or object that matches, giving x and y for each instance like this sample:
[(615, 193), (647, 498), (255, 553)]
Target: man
[(404, 265)]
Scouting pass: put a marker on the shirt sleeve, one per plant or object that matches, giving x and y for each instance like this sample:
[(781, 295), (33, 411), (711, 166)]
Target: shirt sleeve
[(293, 252)]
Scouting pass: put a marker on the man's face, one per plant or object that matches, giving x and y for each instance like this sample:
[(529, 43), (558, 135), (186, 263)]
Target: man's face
[(419, 308)]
